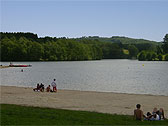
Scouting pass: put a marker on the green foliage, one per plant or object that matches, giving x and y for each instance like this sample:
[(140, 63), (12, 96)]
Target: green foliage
[(147, 56), (160, 57), (142, 56), (29, 47), (133, 51), (120, 39), (166, 57), (124, 42), (154, 56), (159, 50), (165, 44), (22, 115), (146, 47)]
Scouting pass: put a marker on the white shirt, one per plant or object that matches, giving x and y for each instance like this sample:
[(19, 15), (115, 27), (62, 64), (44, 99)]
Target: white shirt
[(54, 84), (157, 117)]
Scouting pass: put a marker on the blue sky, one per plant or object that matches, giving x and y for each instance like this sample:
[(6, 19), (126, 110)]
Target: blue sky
[(147, 19)]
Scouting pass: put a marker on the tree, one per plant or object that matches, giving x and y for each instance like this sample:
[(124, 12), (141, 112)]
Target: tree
[(159, 50), (165, 44), (166, 57), (28, 47), (154, 56), (35, 51), (142, 56), (133, 51), (149, 56), (160, 57), (7, 49)]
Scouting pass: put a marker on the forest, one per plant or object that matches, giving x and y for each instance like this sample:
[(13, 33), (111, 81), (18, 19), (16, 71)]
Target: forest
[(19, 46)]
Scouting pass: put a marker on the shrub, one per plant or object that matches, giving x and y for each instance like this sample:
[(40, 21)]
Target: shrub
[(166, 57), (149, 56), (160, 57), (142, 56), (154, 56)]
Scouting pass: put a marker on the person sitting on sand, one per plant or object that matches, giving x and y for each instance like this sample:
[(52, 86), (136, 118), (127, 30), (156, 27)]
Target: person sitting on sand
[(138, 113), (48, 89), (37, 88), (41, 87)]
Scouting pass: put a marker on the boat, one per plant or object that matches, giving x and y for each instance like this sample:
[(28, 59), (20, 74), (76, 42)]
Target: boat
[(12, 65), (20, 65)]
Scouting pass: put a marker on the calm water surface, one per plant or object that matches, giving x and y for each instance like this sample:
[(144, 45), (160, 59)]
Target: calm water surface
[(123, 76)]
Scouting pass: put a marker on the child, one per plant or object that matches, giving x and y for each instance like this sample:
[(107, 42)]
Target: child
[(48, 89)]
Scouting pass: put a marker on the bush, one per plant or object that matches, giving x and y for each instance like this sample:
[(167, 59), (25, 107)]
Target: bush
[(154, 55), (142, 56), (166, 57), (149, 56), (160, 57)]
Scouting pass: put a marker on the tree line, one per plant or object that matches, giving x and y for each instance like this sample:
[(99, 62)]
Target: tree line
[(29, 47), (161, 52)]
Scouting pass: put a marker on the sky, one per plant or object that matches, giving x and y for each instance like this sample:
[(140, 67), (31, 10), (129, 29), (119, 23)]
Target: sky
[(145, 19)]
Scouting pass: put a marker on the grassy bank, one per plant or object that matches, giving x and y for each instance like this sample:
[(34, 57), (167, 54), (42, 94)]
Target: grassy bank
[(21, 115)]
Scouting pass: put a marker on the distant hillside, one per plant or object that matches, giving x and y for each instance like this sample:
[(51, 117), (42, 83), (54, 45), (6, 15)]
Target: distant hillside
[(113, 39), (19, 46), (118, 39)]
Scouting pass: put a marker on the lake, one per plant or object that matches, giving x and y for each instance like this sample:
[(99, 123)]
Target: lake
[(121, 76)]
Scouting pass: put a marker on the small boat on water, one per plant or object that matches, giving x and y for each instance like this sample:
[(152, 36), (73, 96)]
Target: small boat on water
[(20, 65), (12, 65)]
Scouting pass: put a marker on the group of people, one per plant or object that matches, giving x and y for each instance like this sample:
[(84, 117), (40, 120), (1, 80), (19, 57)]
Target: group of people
[(40, 87), (155, 115), (138, 113)]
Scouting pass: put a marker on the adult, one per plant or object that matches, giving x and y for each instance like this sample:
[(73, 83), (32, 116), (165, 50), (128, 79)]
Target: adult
[(148, 116), (152, 117), (159, 112), (156, 116), (138, 113), (54, 85), (37, 88), (42, 87)]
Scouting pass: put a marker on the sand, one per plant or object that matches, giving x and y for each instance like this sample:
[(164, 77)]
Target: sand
[(4, 67), (104, 102)]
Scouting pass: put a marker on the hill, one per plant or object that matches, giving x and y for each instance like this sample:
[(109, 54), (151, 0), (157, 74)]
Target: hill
[(21, 46), (120, 39)]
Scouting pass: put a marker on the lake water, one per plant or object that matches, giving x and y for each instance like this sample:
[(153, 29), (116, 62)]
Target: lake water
[(122, 76)]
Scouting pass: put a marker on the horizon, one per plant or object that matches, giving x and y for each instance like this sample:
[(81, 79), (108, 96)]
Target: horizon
[(75, 19), (81, 36)]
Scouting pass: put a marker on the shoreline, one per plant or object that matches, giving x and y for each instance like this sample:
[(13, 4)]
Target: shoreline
[(104, 102), (84, 91), (1, 67)]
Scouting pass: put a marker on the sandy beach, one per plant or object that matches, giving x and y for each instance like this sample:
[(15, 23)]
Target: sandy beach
[(1, 67), (104, 102)]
